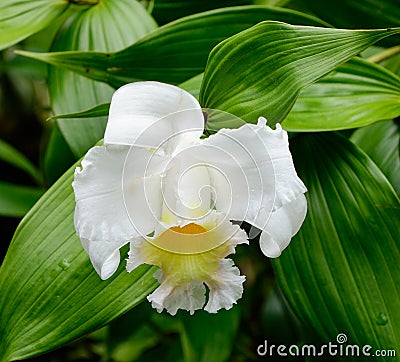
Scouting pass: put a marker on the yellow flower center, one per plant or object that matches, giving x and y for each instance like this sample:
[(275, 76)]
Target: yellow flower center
[(191, 228), (186, 254), (189, 239)]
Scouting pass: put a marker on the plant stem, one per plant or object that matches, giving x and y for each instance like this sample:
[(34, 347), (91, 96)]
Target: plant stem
[(384, 55)]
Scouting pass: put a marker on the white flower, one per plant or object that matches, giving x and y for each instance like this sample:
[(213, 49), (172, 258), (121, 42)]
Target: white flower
[(156, 185)]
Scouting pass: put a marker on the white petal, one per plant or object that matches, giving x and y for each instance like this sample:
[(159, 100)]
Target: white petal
[(136, 254), (100, 212), (114, 199), (252, 172), (241, 171), (226, 287), (283, 224), (168, 296), (288, 186), (186, 189), (104, 256), (147, 113), (142, 188)]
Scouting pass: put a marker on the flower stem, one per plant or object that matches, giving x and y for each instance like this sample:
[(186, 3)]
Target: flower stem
[(384, 55)]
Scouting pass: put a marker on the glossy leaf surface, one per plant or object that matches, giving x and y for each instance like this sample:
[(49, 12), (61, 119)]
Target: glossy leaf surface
[(174, 52), (261, 71), (381, 141), (357, 94), (20, 19), (341, 273)]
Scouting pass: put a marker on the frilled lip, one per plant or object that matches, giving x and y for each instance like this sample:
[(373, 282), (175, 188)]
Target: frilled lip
[(184, 276)]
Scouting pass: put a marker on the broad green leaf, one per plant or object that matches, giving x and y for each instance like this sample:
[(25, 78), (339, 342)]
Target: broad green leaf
[(341, 273), (49, 291), (99, 110), (209, 337), (174, 52), (12, 156), (357, 94), (16, 200), (20, 18), (358, 14), (260, 71), (165, 11), (108, 26), (381, 141)]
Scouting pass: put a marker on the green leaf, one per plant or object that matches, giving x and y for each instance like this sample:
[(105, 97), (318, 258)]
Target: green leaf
[(165, 11), (357, 94), (16, 200), (100, 110), (12, 156), (341, 273), (359, 14), (108, 26), (174, 52), (260, 71), (209, 337), (49, 291), (20, 18), (381, 141)]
